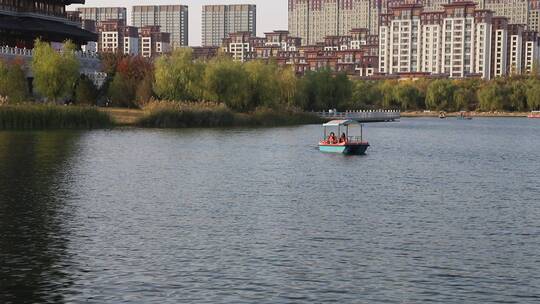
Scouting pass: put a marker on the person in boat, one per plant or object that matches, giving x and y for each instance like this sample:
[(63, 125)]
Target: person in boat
[(332, 138), (343, 138)]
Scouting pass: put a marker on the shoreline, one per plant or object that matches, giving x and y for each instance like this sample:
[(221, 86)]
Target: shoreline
[(413, 114), (160, 115), (171, 116)]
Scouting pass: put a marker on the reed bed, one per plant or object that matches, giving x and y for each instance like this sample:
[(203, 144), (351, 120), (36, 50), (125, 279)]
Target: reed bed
[(49, 116), (165, 114)]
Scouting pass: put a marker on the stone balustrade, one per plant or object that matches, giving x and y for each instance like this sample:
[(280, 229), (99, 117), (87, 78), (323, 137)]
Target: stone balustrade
[(90, 62)]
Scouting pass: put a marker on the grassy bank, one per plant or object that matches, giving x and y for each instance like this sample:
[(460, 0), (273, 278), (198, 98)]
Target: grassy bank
[(194, 115), (123, 116), (46, 116)]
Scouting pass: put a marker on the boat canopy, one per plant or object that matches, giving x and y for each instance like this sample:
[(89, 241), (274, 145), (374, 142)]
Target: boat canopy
[(337, 123)]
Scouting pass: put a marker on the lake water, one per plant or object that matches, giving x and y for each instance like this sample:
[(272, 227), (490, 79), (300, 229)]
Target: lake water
[(437, 211)]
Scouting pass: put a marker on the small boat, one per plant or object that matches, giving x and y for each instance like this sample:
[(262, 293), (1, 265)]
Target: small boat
[(534, 114), (349, 145), (442, 115), (464, 116)]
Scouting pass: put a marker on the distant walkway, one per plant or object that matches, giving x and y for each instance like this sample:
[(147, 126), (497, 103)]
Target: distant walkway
[(363, 115)]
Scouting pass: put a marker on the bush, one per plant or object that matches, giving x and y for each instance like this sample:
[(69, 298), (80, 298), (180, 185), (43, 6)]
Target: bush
[(197, 115), (186, 115)]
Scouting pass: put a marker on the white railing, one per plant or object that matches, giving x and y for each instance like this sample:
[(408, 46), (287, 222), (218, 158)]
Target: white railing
[(363, 115), (12, 51), (24, 52), (90, 63)]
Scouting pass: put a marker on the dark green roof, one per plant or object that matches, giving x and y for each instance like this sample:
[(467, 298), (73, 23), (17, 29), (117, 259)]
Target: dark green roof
[(46, 29)]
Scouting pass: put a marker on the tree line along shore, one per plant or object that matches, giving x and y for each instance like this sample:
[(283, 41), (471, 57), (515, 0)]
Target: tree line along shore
[(178, 91)]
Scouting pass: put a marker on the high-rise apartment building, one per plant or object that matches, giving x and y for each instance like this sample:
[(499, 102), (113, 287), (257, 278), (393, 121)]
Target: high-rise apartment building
[(171, 19), (153, 42), (531, 51), (499, 42), (399, 40), (515, 49), (116, 37), (312, 20), (459, 41), (218, 21), (99, 14)]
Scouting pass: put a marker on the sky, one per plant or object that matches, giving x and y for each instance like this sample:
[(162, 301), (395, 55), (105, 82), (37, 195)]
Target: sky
[(271, 14)]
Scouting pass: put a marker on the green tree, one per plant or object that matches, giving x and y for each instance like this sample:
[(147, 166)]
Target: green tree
[(388, 93), (462, 98), (321, 90), (492, 96), (517, 95), (120, 92), (440, 95), (342, 91), (55, 73), (144, 92), (178, 77), (408, 96), (533, 94), (262, 84), (86, 92), (317, 90), (226, 81), (288, 86), (365, 95), (13, 83), (465, 94)]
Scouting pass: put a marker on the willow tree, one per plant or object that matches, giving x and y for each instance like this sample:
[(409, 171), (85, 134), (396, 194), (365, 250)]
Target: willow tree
[(408, 96), (533, 94), (178, 77), (263, 84), (440, 95), (55, 73), (493, 96), (288, 86), (13, 84)]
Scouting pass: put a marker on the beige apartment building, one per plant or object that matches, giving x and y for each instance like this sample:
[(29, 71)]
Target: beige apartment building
[(172, 19), (116, 37), (99, 14), (312, 20), (218, 21), (459, 41)]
